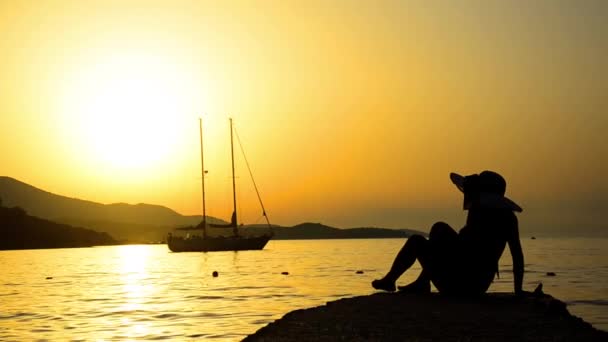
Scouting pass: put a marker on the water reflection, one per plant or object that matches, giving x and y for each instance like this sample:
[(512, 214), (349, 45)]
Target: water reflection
[(133, 269), (133, 258)]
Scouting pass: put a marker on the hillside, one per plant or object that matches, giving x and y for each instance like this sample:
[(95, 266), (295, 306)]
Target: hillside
[(149, 223), (135, 223), (22, 231), (306, 231)]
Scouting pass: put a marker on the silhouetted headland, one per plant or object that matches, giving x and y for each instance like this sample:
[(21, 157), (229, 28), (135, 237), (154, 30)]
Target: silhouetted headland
[(144, 223), (309, 231), (432, 317), (18, 230), (125, 222)]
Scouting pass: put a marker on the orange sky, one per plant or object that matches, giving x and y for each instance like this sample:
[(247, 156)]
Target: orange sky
[(352, 112)]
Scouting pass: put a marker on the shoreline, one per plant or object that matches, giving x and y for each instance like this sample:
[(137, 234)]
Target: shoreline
[(432, 317)]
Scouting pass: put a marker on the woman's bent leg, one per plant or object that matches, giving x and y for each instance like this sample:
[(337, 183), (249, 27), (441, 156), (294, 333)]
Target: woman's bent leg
[(414, 248), (441, 232), (440, 237), (442, 261)]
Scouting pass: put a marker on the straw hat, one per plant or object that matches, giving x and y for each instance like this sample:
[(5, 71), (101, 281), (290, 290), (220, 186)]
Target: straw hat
[(487, 187)]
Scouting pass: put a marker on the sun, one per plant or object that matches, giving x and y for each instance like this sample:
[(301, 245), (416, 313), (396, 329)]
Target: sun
[(130, 120), (130, 110)]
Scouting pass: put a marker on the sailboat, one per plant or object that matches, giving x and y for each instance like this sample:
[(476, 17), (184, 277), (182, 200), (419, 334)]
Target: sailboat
[(234, 242)]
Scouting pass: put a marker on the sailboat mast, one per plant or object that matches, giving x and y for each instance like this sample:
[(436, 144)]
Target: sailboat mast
[(200, 126), (234, 220)]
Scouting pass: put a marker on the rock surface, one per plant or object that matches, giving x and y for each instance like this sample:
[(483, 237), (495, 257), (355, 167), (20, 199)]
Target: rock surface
[(432, 317)]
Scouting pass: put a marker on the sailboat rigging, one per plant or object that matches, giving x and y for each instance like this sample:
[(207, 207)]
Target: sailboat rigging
[(206, 243)]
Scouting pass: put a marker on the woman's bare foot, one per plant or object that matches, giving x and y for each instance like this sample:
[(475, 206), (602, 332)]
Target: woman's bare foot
[(383, 284)]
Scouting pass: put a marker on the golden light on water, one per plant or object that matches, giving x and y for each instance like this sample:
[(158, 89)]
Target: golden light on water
[(133, 260), (133, 269)]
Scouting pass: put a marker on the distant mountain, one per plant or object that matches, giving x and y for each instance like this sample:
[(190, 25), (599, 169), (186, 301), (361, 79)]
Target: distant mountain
[(135, 223), (306, 231), (149, 223), (22, 231)]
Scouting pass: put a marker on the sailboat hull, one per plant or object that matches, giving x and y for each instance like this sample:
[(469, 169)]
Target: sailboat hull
[(216, 244)]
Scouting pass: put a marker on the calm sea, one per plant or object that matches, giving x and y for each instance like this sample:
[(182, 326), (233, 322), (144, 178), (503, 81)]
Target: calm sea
[(145, 292)]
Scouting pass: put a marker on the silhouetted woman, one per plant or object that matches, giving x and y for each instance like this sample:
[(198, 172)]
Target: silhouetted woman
[(465, 262)]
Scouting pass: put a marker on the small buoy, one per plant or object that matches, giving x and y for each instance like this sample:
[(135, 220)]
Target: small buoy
[(359, 272), (214, 274), (49, 278), (551, 274), (285, 273)]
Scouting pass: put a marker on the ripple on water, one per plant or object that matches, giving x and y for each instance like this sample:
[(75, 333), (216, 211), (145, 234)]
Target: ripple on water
[(205, 297), (159, 337), (16, 315), (96, 299), (121, 313), (196, 335), (167, 316)]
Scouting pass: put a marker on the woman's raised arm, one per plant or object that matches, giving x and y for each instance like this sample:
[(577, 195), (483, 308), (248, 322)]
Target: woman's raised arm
[(518, 257)]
